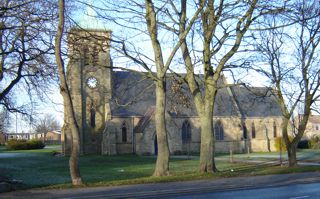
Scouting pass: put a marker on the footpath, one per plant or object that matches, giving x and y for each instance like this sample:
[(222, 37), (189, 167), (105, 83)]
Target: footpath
[(158, 190)]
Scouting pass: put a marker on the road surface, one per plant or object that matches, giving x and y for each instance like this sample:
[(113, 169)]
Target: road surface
[(295, 186), (296, 191)]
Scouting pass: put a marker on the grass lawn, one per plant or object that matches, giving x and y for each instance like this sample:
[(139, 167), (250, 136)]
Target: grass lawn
[(39, 168)]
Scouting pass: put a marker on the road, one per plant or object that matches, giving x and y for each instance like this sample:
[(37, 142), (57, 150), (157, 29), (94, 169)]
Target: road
[(296, 191), (295, 186)]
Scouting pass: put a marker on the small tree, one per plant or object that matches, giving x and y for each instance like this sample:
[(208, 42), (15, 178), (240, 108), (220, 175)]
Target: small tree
[(293, 69), (46, 124)]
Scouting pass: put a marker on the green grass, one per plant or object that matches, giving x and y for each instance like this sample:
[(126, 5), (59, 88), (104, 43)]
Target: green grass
[(39, 168)]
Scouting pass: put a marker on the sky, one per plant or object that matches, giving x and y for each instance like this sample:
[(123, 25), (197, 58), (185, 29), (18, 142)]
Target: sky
[(86, 19), (53, 105)]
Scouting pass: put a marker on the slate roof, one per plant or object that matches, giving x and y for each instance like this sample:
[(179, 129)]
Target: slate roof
[(256, 101), (133, 95), (314, 119)]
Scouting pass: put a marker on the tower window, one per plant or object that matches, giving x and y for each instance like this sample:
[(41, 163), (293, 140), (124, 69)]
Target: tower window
[(92, 117), (124, 132)]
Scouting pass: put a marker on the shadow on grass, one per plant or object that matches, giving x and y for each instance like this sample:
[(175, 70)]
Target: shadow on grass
[(41, 169)]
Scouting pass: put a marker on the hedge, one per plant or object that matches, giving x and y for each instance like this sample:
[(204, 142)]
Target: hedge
[(314, 142), (24, 144)]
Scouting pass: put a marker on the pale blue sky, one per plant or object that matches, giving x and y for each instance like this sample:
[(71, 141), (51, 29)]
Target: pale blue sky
[(86, 19)]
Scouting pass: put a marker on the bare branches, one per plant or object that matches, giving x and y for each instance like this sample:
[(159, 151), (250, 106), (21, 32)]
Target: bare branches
[(290, 60), (25, 47), (47, 123)]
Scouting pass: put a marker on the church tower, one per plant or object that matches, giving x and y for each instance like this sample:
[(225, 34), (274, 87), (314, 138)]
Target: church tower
[(89, 79)]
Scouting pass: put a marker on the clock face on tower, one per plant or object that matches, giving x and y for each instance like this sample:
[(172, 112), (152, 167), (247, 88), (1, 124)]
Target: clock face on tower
[(92, 82)]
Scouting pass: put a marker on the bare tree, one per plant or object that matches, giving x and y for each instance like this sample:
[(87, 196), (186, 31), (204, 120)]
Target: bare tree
[(290, 60), (46, 124), (65, 92), (144, 19), (162, 165), (4, 120), (222, 28), (26, 46)]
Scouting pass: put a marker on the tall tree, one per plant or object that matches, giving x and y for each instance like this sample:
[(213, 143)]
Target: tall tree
[(145, 19), (292, 56), (162, 164), (65, 92), (222, 28)]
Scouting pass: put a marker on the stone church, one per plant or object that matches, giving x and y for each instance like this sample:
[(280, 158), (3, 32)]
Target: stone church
[(115, 109)]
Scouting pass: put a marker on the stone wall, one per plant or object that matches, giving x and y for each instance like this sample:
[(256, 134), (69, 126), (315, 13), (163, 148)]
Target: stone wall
[(144, 143), (89, 58), (116, 125)]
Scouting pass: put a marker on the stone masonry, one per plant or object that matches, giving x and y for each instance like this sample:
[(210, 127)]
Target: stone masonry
[(115, 109)]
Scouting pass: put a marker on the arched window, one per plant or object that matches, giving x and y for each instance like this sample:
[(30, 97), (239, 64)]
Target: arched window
[(155, 145), (124, 132), (92, 116), (267, 137), (253, 130), (275, 130), (266, 131), (86, 55), (186, 132), (218, 131), (245, 131)]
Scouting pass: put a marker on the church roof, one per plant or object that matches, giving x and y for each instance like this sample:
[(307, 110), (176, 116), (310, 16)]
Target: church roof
[(314, 119), (256, 101), (133, 94)]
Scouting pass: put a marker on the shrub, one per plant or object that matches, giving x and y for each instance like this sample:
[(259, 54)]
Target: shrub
[(303, 144), (24, 144), (279, 141), (314, 142)]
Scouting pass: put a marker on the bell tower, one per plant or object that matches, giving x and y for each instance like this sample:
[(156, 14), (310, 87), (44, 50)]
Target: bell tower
[(89, 80)]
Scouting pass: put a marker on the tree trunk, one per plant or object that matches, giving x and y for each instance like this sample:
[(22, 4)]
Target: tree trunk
[(65, 92), (292, 154), (207, 163), (162, 164), (74, 157), (290, 145), (205, 111)]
